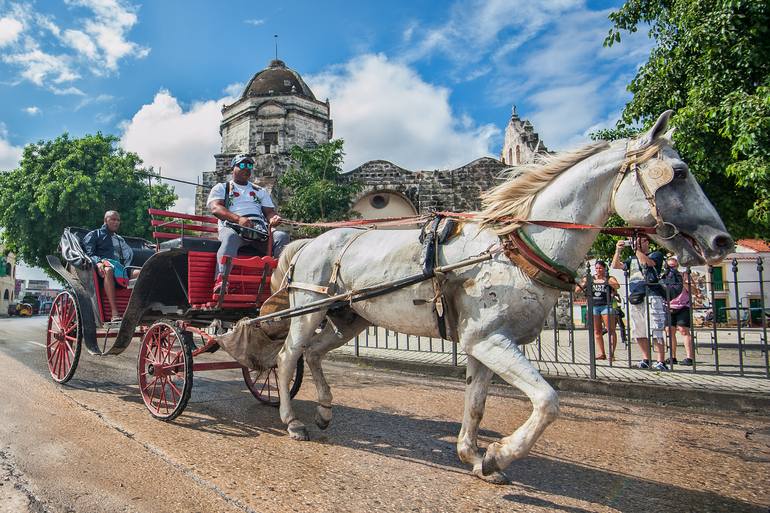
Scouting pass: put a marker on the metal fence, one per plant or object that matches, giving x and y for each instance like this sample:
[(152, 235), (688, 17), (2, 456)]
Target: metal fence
[(728, 318)]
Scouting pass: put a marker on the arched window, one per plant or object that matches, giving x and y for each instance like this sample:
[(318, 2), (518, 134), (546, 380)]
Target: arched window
[(518, 155), (8, 269), (6, 295), (510, 157)]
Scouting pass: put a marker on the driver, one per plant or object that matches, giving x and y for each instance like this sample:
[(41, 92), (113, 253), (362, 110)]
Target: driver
[(241, 202)]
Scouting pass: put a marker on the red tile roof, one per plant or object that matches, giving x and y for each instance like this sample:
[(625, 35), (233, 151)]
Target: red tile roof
[(757, 245)]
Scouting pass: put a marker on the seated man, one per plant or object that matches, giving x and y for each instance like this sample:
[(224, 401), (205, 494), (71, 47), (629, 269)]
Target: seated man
[(241, 202), (110, 253)]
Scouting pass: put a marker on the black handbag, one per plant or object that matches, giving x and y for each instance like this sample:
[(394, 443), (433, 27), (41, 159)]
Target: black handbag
[(636, 292)]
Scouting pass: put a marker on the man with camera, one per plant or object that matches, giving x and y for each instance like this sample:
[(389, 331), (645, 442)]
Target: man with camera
[(244, 211), (643, 282)]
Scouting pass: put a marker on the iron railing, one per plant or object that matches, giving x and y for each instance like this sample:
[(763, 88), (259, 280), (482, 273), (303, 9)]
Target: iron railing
[(728, 329)]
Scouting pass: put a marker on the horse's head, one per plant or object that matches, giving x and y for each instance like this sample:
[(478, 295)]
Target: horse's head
[(658, 190)]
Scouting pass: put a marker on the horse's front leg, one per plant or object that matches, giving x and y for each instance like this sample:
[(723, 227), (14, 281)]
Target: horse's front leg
[(504, 358), (348, 325), (476, 388), (300, 335)]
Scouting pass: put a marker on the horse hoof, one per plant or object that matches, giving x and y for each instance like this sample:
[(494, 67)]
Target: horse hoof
[(298, 432), (321, 422), (497, 478), (489, 463)]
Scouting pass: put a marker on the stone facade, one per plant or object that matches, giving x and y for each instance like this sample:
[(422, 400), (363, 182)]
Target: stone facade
[(277, 110), (426, 191), (521, 141)]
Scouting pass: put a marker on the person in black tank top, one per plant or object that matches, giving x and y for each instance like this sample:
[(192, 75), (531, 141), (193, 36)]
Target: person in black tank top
[(602, 293)]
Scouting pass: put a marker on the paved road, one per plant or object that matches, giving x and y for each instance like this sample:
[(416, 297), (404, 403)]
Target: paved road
[(91, 446)]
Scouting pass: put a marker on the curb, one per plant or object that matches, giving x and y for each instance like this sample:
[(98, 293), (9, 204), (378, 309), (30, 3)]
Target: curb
[(659, 394)]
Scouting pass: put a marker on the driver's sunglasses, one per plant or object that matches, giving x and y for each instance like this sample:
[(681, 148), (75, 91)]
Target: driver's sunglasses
[(244, 165)]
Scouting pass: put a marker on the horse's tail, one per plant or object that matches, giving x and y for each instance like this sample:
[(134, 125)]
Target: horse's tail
[(283, 263)]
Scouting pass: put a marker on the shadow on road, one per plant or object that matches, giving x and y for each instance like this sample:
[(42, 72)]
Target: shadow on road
[(225, 408)]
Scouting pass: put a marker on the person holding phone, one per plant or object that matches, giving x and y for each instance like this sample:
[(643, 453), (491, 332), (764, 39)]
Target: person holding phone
[(644, 271)]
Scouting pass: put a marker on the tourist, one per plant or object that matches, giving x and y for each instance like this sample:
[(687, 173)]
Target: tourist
[(644, 268), (603, 290), (679, 312)]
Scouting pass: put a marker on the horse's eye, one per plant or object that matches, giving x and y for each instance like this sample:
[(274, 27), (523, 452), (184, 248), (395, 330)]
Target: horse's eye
[(680, 172)]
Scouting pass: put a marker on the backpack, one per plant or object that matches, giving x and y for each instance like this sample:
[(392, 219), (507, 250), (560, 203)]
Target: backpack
[(672, 283)]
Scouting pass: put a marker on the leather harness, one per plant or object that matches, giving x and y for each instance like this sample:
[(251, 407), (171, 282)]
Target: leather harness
[(520, 249)]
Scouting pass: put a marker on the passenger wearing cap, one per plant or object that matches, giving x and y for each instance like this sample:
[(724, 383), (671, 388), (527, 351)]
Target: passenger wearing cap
[(242, 203)]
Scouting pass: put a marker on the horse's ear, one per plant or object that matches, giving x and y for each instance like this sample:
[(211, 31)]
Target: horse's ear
[(669, 135), (657, 129)]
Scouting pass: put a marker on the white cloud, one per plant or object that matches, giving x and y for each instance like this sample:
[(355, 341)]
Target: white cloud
[(10, 29), (385, 110), (10, 155), (67, 91), (254, 22), (234, 89), (546, 55), (33, 110), (94, 37), (180, 142), (81, 42), (37, 66), (112, 20)]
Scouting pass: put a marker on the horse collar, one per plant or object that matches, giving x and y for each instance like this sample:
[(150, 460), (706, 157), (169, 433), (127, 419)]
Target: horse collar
[(524, 253)]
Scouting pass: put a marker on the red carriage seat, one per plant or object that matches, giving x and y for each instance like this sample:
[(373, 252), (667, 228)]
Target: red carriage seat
[(246, 286)]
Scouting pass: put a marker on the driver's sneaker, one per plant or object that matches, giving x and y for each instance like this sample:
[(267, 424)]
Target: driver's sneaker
[(659, 366), (643, 364), (669, 361), (686, 361)]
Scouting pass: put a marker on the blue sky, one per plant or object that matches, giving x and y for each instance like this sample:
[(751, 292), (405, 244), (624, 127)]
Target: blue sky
[(423, 84)]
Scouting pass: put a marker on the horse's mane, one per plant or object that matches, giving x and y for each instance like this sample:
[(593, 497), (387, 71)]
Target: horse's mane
[(514, 197)]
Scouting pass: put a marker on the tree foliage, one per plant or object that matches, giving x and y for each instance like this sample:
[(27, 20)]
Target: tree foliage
[(72, 182), (711, 64), (313, 188)]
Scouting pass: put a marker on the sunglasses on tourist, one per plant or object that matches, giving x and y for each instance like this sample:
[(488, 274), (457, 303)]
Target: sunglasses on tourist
[(244, 165)]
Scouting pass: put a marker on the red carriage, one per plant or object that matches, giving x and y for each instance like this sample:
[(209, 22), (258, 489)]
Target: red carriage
[(171, 305)]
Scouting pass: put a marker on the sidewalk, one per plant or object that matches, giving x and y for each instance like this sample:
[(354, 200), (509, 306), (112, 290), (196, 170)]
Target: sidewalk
[(565, 365)]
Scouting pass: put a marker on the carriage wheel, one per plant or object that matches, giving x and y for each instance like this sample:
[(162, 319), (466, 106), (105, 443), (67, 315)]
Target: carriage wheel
[(264, 384), (63, 338), (165, 370)]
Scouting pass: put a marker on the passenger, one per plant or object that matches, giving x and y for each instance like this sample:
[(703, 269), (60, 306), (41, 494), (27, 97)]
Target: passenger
[(679, 308), (110, 253), (246, 204), (645, 268)]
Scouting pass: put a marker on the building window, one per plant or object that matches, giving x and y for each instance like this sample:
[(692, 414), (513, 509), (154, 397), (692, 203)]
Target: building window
[(379, 201), (518, 155), (8, 269), (269, 139), (510, 157), (7, 295)]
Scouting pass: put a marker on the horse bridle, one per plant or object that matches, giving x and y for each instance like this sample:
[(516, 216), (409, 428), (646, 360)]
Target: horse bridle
[(650, 179)]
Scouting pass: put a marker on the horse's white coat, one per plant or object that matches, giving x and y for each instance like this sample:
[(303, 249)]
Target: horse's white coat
[(493, 308)]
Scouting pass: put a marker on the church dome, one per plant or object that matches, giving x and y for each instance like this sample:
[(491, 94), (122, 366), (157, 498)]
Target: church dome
[(277, 80)]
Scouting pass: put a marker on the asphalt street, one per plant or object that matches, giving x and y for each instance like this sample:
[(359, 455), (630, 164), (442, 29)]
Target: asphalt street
[(91, 446)]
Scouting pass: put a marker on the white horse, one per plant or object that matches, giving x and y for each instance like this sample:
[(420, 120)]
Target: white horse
[(493, 308)]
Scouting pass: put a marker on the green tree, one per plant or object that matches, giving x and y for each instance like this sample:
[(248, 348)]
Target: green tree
[(711, 64), (313, 189), (72, 182)]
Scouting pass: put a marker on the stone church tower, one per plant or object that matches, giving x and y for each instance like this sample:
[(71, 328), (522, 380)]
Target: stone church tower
[(276, 111), (521, 142)]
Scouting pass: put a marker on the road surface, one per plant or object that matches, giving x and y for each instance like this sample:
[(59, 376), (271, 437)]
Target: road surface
[(92, 446)]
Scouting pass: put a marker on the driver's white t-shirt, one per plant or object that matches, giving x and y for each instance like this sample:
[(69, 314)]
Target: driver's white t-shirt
[(244, 199)]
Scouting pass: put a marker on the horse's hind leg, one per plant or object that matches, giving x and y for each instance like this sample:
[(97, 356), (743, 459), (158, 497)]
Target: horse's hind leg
[(477, 381), (349, 326), (505, 359), (300, 333)]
